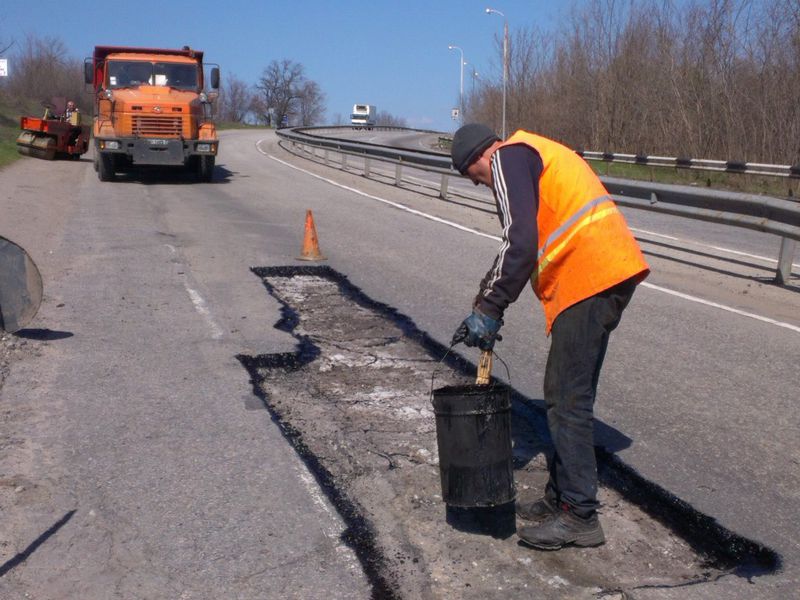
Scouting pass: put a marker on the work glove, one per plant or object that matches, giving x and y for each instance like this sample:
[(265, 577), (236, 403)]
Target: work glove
[(478, 330)]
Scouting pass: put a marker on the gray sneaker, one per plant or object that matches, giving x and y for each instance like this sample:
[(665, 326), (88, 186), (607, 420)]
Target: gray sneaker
[(536, 510), (562, 530)]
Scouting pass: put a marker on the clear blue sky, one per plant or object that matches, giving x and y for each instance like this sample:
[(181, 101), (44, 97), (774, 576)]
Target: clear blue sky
[(392, 54)]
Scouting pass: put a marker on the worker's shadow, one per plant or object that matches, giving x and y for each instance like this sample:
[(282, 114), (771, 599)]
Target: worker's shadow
[(531, 435)]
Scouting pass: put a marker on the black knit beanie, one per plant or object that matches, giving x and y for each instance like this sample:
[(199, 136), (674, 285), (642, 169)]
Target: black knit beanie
[(469, 142)]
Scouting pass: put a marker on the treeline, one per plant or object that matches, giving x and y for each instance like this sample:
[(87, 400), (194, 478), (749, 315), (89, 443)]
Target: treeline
[(703, 79), (282, 95), (41, 69)]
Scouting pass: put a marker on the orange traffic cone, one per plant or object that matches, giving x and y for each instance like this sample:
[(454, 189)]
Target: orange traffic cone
[(310, 243)]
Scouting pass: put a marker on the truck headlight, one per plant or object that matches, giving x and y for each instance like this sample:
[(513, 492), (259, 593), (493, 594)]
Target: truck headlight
[(204, 147), (110, 145)]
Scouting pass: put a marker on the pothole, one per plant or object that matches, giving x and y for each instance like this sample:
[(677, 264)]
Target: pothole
[(354, 400)]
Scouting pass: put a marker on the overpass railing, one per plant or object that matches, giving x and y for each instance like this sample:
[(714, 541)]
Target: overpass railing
[(760, 213)]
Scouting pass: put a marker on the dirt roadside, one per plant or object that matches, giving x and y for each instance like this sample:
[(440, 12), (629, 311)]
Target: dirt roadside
[(35, 210)]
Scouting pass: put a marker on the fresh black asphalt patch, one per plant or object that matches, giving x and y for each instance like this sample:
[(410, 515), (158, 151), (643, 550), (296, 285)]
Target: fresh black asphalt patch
[(354, 401)]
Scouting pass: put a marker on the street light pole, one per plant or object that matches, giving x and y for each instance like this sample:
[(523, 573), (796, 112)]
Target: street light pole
[(490, 11), (461, 88)]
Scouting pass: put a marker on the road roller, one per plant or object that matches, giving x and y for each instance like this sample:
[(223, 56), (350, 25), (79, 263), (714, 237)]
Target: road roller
[(51, 137)]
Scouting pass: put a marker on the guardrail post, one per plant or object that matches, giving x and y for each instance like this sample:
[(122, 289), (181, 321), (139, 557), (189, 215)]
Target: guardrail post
[(785, 258), (398, 173), (443, 189), (344, 161), (366, 166)]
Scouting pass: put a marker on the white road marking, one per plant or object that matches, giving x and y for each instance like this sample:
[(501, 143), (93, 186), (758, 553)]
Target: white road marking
[(370, 196), (720, 248), (333, 527), (200, 305), (652, 286)]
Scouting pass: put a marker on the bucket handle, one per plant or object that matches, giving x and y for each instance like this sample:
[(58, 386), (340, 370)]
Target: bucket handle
[(439, 364)]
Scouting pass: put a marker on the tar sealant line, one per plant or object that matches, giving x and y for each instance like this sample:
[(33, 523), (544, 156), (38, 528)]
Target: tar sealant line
[(200, 305), (651, 286), (720, 248)]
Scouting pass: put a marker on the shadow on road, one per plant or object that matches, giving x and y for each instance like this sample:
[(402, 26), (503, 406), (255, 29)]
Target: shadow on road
[(23, 556), (43, 335), (170, 176)]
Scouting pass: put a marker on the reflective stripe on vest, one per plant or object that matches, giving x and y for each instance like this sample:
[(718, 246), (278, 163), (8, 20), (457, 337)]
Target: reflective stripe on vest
[(578, 223)]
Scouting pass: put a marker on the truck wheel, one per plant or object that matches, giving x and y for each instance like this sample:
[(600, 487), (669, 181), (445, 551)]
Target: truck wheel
[(106, 167), (205, 168)]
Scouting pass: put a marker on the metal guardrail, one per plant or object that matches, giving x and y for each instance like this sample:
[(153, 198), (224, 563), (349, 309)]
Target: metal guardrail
[(760, 213)]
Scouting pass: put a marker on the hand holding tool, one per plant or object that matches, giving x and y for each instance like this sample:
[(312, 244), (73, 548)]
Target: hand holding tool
[(479, 330)]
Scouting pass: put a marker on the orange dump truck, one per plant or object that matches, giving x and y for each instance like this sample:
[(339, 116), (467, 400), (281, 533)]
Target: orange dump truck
[(151, 107)]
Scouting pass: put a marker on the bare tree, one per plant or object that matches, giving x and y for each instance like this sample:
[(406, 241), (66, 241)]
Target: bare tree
[(387, 119), (235, 100), (280, 89), (310, 103), (43, 70)]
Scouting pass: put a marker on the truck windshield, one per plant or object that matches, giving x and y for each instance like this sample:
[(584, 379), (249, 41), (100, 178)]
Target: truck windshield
[(130, 73)]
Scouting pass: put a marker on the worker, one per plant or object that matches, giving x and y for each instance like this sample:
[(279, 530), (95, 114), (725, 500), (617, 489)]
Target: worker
[(564, 234), (72, 114)]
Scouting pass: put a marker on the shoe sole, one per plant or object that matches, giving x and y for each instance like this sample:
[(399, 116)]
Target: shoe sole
[(586, 541)]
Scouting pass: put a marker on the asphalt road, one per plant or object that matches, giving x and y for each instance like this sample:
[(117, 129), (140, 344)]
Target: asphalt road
[(136, 458)]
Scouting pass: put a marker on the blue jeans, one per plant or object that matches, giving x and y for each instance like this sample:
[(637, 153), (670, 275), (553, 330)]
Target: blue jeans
[(579, 341)]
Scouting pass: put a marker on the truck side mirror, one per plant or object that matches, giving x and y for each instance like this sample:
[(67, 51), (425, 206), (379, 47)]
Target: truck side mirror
[(88, 73), (215, 78)]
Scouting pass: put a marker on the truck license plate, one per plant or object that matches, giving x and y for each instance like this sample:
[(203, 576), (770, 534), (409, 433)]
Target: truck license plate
[(159, 142)]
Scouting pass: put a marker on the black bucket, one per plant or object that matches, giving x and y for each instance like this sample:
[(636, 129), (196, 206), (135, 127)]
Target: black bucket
[(473, 432)]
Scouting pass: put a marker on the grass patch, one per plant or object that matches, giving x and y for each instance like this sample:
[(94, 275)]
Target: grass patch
[(10, 112), (781, 187), (221, 125), (9, 130)]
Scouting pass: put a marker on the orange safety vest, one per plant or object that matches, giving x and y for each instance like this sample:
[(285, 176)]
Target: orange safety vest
[(585, 245)]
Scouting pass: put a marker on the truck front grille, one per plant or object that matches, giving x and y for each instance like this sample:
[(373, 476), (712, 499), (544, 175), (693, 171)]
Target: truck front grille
[(149, 125)]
